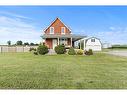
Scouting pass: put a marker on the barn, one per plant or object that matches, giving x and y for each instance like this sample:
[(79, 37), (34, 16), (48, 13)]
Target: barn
[(91, 43)]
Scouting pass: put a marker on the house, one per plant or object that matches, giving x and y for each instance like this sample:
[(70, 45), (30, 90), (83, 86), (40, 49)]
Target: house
[(57, 33), (91, 43)]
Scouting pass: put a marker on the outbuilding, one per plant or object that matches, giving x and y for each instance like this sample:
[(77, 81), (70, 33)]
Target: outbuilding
[(107, 45), (91, 43)]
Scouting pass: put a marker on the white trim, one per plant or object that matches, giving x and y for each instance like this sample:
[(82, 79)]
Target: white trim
[(65, 25), (58, 41), (64, 30), (49, 25), (71, 41), (50, 30), (93, 37), (54, 43)]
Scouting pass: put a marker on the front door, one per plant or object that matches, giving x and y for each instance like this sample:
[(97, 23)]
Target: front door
[(54, 43)]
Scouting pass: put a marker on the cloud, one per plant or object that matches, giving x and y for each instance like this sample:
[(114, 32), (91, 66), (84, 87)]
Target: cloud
[(17, 29), (112, 28), (113, 35), (14, 15)]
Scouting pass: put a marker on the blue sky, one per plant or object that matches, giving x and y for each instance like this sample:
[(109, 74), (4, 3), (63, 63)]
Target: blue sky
[(26, 23)]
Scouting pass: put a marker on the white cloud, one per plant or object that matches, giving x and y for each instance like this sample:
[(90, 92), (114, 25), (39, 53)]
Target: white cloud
[(112, 28), (113, 35), (17, 29), (14, 22), (14, 15)]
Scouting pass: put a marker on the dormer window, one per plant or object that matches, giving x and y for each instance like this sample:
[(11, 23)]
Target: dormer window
[(62, 30), (51, 30)]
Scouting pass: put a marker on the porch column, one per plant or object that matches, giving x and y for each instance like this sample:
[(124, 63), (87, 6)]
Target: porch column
[(58, 41), (80, 44), (71, 42)]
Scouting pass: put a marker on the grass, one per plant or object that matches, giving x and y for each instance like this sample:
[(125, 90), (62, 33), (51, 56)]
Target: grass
[(114, 49), (28, 71)]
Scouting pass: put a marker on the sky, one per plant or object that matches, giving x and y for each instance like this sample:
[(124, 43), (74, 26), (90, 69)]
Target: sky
[(26, 23)]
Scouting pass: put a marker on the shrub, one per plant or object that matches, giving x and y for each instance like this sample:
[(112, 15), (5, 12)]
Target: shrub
[(42, 49), (71, 51), (35, 53), (32, 49), (89, 52), (86, 52), (60, 49), (80, 52)]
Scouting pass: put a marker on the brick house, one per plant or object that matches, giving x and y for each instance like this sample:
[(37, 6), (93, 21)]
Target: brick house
[(58, 33)]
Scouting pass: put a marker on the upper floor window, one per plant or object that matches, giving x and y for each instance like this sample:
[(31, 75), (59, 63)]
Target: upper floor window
[(51, 30), (92, 40), (62, 30)]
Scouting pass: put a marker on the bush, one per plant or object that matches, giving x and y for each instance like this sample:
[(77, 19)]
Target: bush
[(86, 52), (80, 52), (71, 51), (32, 49), (60, 49), (42, 49), (35, 53), (89, 52)]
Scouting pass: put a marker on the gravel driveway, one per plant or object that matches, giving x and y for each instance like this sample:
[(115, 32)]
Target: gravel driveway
[(118, 53)]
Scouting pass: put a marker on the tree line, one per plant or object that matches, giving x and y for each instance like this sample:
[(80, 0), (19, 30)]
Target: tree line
[(21, 43)]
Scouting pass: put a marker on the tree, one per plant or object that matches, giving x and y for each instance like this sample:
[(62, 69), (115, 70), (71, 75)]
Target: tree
[(9, 42), (26, 43), (19, 43), (36, 44), (31, 44)]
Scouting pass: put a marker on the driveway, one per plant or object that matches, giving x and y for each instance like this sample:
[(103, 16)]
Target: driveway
[(118, 52)]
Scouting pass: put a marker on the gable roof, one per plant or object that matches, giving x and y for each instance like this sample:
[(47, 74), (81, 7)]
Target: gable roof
[(93, 37), (55, 21)]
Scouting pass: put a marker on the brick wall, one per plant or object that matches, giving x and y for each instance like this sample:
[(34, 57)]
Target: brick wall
[(57, 24)]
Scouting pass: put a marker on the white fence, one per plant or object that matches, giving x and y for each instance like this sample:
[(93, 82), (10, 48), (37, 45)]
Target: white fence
[(16, 48)]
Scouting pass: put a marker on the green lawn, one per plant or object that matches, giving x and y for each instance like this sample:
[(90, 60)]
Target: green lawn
[(115, 49), (28, 71)]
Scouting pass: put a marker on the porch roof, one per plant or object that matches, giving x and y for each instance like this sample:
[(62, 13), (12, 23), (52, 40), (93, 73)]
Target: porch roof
[(73, 36)]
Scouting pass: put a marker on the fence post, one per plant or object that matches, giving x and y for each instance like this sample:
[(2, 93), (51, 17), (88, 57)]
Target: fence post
[(15, 49), (1, 49), (23, 48)]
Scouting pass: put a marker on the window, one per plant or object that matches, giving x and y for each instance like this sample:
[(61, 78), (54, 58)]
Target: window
[(62, 30), (51, 30), (92, 40), (63, 41)]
